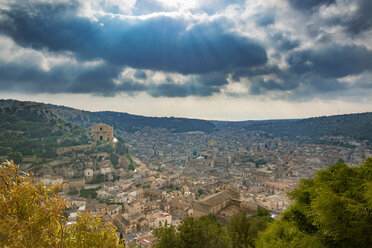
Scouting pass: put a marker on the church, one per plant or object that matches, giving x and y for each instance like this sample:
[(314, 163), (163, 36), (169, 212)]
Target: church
[(102, 132)]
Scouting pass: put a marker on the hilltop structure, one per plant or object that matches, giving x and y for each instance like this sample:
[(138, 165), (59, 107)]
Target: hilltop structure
[(102, 132)]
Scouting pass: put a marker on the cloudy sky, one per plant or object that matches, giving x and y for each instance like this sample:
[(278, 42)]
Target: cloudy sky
[(211, 59)]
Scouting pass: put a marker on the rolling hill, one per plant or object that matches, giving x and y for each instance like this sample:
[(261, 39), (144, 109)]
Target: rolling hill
[(130, 123), (324, 130), (30, 129)]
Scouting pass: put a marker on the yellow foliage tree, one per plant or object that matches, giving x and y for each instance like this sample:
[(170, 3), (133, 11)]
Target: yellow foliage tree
[(31, 215)]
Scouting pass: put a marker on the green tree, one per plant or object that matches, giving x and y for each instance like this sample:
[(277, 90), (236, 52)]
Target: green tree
[(239, 231), (203, 232), (283, 234), (114, 159), (31, 215), (16, 157), (73, 192), (121, 148), (89, 193), (243, 230), (168, 237), (331, 210)]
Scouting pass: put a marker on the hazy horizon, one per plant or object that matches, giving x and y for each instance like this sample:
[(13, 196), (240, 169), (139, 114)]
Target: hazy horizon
[(123, 111)]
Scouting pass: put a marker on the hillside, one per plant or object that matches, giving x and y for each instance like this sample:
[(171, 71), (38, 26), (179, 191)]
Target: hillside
[(357, 126), (125, 122), (342, 130), (33, 130), (322, 130)]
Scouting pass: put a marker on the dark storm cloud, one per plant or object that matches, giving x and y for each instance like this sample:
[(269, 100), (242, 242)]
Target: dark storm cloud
[(283, 43), (359, 22), (211, 79), (197, 85), (182, 90), (99, 80), (355, 23), (257, 71), (309, 5), (313, 72), (300, 88), (362, 21), (60, 79), (160, 43), (332, 62), (261, 86), (284, 84)]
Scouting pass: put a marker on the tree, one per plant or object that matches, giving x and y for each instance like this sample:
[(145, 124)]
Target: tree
[(114, 159), (331, 210), (89, 193), (239, 230), (120, 147), (31, 215), (203, 232), (168, 237), (243, 230), (282, 234)]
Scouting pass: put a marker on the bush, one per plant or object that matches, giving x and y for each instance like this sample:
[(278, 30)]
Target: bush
[(73, 192), (89, 193)]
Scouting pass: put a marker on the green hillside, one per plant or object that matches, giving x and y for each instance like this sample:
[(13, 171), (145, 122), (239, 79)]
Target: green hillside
[(357, 127), (319, 130), (125, 122), (29, 129)]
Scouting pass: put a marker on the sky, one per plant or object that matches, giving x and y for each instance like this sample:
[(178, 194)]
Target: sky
[(210, 59)]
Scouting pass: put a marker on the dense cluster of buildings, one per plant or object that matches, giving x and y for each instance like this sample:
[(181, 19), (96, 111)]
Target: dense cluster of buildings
[(187, 174)]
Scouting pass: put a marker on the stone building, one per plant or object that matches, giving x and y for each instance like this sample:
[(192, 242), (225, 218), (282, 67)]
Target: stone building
[(102, 132), (260, 176), (222, 162), (215, 203), (159, 218), (276, 186)]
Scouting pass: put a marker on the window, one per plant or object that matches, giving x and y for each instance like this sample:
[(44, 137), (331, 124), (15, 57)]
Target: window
[(100, 128), (100, 138)]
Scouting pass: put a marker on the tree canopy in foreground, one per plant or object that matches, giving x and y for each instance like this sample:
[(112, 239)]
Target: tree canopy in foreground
[(333, 209), (31, 215), (207, 231)]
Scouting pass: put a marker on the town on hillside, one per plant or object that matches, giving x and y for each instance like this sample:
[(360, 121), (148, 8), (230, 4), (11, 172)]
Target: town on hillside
[(154, 178)]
